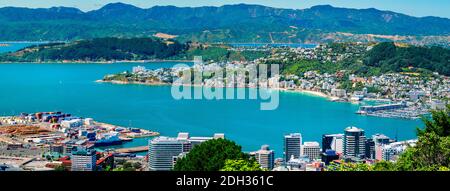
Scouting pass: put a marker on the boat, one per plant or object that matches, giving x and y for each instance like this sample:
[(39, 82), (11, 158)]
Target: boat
[(126, 139), (131, 155), (108, 139)]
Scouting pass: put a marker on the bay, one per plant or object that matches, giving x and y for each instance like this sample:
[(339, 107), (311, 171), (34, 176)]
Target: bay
[(72, 88)]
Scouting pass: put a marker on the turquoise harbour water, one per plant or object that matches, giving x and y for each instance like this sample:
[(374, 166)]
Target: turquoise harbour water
[(72, 88)]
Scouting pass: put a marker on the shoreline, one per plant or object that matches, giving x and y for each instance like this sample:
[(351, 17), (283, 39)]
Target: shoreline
[(47, 129), (133, 83), (297, 91), (309, 92), (100, 62)]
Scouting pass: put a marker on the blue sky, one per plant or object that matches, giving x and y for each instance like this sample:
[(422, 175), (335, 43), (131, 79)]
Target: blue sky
[(411, 7)]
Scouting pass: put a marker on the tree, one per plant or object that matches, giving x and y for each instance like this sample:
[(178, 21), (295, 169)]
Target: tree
[(137, 165), (384, 166), (349, 167), (210, 156), (123, 169), (380, 52), (60, 168), (241, 165), (438, 124), (432, 152)]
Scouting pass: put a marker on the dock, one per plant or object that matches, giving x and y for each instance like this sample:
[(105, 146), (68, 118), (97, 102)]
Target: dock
[(132, 149)]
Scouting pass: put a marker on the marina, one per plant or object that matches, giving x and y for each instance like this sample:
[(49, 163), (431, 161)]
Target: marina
[(397, 110)]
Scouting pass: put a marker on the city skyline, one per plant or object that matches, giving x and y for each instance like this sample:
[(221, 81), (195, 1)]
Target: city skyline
[(418, 8)]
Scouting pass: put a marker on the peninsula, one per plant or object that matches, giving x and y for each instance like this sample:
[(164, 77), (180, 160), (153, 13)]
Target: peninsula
[(340, 72), (98, 50)]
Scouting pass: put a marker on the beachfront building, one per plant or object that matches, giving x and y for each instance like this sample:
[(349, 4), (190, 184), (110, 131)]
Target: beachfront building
[(311, 150), (83, 159), (292, 146), (354, 142), (265, 157), (438, 105), (338, 93)]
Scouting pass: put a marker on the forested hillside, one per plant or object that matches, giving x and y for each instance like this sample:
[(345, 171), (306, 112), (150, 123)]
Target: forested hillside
[(99, 49)]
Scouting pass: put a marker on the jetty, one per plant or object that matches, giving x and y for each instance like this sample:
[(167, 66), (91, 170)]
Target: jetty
[(132, 149)]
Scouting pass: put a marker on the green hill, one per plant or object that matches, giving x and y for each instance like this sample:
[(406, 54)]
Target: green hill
[(229, 23), (100, 49)]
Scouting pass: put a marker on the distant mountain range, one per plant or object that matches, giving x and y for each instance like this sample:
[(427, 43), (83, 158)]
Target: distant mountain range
[(229, 23)]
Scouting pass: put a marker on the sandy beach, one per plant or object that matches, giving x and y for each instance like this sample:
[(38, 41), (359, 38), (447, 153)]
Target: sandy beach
[(301, 91)]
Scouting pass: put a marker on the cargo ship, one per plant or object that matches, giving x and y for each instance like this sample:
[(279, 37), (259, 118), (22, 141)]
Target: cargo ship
[(108, 139)]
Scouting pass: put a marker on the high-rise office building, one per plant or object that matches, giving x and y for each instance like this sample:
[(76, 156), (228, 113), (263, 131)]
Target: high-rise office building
[(326, 142), (292, 146), (83, 159), (165, 151), (370, 149), (354, 142), (379, 141), (312, 150), (334, 142), (161, 152), (265, 157)]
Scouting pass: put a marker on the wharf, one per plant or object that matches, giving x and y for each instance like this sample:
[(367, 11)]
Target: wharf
[(132, 150)]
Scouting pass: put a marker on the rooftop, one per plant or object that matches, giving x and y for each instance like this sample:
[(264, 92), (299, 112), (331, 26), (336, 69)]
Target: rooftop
[(163, 139), (83, 151), (353, 129), (311, 144), (293, 135), (380, 136)]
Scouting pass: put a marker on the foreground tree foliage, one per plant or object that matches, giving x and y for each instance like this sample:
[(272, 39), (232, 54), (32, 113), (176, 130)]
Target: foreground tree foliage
[(212, 156), (349, 167), (431, 153), (438, 124), (241, 165)]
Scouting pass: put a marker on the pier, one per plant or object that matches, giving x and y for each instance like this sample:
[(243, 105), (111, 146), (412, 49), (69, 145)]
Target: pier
[(132, 150)]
